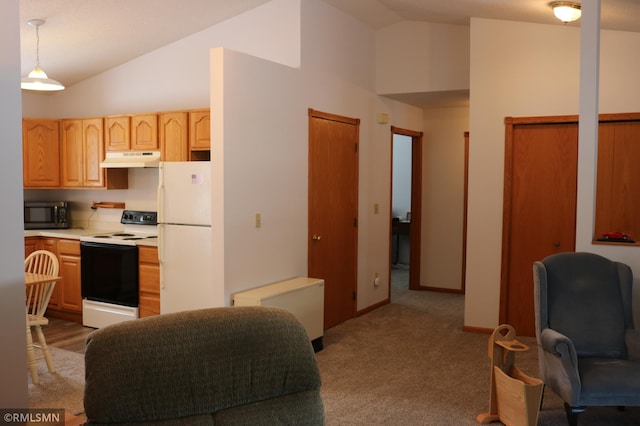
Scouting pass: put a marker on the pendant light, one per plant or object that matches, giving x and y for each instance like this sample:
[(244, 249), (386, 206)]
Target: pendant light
[(37, 79)]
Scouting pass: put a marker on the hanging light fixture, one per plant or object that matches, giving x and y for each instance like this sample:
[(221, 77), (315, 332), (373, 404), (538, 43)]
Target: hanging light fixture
[(566, 11), (37, 79)]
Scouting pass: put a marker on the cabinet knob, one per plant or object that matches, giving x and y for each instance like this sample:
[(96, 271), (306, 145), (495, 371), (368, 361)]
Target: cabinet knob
[(316, 237)]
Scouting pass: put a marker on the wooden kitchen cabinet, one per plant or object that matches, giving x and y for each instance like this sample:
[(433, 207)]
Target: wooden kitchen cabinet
[(117, 133), (174, 133), (199, 135), (82, 146), (144, 132), (40, 153), (148, 281), (69, 288), (32, 244)]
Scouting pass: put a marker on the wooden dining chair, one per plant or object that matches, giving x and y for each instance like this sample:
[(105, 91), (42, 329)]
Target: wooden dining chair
[(38, 295)]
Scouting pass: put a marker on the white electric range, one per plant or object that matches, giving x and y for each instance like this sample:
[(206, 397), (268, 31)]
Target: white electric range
[(138, 225), (109, 268)]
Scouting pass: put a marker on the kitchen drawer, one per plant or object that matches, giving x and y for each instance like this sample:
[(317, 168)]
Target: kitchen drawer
[(69, 247), (148, 255)]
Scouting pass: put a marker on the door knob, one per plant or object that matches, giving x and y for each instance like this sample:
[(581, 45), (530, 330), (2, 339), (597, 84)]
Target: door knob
[(316, 237)]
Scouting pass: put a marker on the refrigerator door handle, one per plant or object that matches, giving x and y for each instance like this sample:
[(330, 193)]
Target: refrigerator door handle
[(160, 194), (161, 252)]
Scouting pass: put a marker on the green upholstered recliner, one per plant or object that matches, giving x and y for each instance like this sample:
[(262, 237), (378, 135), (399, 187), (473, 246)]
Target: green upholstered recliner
[(588, 349), (220, 366)]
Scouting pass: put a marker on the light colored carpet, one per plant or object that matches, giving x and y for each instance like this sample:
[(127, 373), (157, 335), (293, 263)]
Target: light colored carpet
[(406, 363), (62, 389), (411, 363)]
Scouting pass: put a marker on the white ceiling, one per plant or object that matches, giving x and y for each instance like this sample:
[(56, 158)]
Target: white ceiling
[(82, 38)]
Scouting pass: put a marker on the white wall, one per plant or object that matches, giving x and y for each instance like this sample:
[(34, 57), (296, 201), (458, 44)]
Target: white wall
[(415, 57), (181, 70), (443, 197), (534, 72), (13, 391)]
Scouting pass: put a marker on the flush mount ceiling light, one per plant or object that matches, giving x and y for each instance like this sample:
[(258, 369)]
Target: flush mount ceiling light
[(566, 11), (37, 79)]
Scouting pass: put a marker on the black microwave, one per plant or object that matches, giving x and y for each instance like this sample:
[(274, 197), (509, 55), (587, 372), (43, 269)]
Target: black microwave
[(46, 215)]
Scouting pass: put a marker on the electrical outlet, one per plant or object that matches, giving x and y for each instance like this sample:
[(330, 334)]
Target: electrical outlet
[(376, 279), (258, 220), (376, 208)]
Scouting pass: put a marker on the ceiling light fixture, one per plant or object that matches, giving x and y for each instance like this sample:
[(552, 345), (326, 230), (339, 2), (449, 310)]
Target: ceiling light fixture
[(566, 11), (37, 79)]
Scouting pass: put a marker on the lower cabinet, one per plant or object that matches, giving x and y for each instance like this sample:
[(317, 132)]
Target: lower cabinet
[(149, 281), (66, 300)]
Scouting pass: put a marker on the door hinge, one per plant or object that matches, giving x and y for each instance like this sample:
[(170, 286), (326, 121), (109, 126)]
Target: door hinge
[(355, 222), (356, 147), (354, 295)]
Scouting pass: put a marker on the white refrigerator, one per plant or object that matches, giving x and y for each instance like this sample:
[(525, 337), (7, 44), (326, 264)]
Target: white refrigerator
[(184, 237)]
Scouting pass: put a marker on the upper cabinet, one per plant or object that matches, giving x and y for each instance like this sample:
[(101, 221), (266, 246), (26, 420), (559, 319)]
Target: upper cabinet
[(174, 133), (82, 146), (144, 132), (199, 135), (40, 153), (117, 133), (131, 132)]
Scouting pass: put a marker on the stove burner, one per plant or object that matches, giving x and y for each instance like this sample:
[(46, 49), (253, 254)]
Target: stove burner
[(133, 238), (152, 236), (102, 236), (123, 234)]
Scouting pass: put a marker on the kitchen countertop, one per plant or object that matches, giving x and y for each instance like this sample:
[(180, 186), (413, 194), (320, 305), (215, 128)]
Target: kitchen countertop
[(77, 233)]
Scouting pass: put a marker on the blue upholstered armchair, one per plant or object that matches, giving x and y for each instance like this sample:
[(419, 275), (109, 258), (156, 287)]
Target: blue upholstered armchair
[(588, 350)]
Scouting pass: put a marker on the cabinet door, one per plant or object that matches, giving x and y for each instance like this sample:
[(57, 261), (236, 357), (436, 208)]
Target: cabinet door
[(199, 130), (173, 136), (144, 132), (149, 281), (69, 292), (117, 134), (93, 132), (40, 153), (71, 147)]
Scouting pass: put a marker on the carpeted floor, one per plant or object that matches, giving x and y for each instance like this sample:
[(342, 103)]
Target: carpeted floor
[(62, 389), (410, 363), (406, 363)]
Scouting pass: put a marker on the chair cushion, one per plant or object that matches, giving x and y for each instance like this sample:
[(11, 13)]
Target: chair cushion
[(607, 381), (585, 303)]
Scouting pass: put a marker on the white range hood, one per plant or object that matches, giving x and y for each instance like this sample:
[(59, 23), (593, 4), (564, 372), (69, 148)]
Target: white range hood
[(131, 159)]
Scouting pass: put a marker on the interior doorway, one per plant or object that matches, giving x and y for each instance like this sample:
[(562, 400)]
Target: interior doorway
[(406, 208)]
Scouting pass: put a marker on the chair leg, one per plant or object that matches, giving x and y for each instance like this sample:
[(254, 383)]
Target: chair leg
[(31, 357), (45, 349), (572, 413)]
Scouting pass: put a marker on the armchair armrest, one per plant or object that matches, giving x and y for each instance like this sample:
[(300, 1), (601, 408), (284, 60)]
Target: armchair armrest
[(632, 339), (559, 345)]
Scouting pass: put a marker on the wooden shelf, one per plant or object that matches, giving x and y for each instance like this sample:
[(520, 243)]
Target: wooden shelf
[(107, 205)]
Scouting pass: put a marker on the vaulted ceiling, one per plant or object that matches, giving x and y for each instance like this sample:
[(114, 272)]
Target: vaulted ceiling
[(82, 38)]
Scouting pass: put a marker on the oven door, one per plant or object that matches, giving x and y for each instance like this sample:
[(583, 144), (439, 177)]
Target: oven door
[(109, 273)]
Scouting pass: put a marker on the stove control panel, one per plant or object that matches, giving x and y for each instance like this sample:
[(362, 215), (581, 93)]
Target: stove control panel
[(134, 217)]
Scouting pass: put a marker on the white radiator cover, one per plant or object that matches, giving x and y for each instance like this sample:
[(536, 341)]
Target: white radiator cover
[(302, 296)]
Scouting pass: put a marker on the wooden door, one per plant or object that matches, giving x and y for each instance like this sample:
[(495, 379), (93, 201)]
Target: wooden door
[(539, 209), (333, 211)]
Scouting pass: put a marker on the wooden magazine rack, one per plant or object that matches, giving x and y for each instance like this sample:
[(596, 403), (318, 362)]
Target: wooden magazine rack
[(514, 397)]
